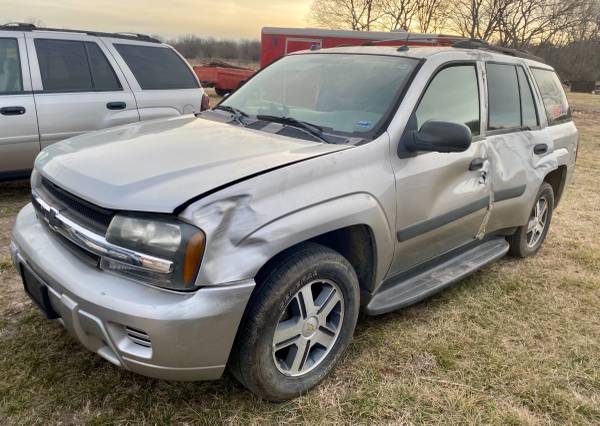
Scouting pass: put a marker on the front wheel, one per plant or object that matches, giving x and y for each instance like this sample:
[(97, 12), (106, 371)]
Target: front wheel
[(298, 323), (528, 239)]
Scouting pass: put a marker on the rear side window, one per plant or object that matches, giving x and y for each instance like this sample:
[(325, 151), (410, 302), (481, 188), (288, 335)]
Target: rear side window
[(157, 68), (553, 96), (10, 67), (74, 66), (452, 95), (504, 105), (529, 112)]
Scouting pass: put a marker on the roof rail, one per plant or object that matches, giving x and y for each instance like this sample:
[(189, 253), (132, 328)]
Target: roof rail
[(484, 45), (20, 26)]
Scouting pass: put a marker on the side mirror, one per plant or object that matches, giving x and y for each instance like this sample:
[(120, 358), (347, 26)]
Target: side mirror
[(439, 136)]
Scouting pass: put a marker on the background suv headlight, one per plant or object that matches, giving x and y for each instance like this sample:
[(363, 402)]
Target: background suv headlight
[(161, 237)]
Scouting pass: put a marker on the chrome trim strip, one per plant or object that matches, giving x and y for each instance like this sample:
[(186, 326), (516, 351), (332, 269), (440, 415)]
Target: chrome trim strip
[(97, 244)]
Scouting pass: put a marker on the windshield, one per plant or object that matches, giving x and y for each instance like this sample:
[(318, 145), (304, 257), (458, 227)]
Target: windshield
[(341, 93)]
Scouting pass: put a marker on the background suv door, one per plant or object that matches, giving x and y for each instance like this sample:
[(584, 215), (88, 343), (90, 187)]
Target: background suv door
[(163, 82), (442, 199), (19, 138), (78, 86)]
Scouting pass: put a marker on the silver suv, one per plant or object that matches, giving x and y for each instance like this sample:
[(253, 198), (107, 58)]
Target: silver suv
[(56, 84), (251, 235)]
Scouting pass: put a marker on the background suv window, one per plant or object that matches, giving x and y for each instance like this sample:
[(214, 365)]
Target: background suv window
[(503, 97), (529, 113), (452, 95), (157, 68), (553, 95), (74, 66), (10, 67)]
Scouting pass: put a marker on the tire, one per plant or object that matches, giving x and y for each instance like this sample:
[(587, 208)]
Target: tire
[(521, 243), (221, 92), (277, 373)]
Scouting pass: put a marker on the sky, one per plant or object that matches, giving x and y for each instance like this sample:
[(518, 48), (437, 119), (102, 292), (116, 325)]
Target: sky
[(168, 18)]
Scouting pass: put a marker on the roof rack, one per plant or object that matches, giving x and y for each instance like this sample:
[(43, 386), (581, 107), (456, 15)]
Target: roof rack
[(484, 45), (20, 26)]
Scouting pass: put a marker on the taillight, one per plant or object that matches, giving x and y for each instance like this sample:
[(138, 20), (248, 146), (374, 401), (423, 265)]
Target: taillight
[(205, 104)]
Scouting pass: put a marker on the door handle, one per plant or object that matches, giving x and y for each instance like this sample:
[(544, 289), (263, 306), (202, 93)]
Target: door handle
[(13, 110), (540, 149), (116, 105), (476, 164)]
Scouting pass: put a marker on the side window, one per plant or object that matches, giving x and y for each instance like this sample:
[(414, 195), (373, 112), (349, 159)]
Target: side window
[(103, 75), (504, 105), (528, 109), (157, 68), (10, 67), (553, 96), (74, 66), (452, 95)]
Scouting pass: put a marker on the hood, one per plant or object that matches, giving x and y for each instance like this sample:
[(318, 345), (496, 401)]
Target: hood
[(159, 165)]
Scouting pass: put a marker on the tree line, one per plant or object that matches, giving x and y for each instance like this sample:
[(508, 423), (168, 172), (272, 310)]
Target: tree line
[(564, 32), (193, 47)]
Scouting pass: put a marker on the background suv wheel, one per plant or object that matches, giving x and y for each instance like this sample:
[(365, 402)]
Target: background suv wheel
[(298, 323)]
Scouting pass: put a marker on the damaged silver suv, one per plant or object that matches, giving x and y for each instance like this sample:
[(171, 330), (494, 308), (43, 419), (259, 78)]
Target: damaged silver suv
[(250, 236)]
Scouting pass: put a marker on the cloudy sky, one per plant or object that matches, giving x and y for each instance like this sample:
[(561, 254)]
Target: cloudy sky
[(218, 18)]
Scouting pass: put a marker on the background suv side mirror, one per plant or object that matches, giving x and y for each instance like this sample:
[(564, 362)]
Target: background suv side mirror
[(439, 136)]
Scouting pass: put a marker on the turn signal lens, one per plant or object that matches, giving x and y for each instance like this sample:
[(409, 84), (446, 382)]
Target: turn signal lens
[(193, 256)]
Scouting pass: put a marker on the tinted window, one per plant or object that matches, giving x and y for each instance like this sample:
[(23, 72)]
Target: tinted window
[(103, 76), (553, 95), (74, 66), (527, 103), (10, 67), (157, 68), (452, 95), (503, 97)]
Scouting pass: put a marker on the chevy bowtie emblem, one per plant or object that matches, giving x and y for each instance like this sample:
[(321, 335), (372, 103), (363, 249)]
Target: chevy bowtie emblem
[(51, 218)]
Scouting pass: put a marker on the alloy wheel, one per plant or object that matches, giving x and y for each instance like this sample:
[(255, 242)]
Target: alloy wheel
[(308, 327)]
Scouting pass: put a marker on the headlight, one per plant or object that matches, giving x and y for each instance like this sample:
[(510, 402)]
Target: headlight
[(163, 239)]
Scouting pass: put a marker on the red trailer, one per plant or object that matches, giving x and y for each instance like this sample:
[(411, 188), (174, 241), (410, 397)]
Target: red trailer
[(278, 42)]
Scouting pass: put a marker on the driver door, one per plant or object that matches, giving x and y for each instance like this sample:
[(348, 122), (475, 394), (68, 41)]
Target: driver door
[(442, 199)]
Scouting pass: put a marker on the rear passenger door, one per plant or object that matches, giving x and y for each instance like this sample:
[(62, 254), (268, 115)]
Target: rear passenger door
[(78, 86), (19, 139), (514, 135), (162, 81)]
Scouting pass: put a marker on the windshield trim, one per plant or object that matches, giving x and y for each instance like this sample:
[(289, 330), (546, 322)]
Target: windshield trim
[(386, 118)]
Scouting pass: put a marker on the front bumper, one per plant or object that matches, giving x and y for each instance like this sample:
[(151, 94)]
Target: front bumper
[(150, 331)]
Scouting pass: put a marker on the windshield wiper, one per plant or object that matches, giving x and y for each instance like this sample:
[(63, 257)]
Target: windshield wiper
[(313, 129), (238, 114)]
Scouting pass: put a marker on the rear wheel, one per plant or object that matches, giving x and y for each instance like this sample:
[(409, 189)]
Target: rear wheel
[(298, 323), (528, 239)]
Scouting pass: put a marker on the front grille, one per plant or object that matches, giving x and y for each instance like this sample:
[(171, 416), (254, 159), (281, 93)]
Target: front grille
[(88, 215)]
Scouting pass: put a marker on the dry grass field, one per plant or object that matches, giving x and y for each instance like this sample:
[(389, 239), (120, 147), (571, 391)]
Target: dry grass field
[(517, 343)]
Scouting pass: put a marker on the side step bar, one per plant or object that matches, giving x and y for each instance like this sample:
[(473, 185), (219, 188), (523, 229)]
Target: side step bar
[(407, 289)]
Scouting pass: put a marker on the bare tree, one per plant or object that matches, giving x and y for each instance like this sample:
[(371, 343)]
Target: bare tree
[(478, 18), (358, 15), (431, 15), (398, 14)]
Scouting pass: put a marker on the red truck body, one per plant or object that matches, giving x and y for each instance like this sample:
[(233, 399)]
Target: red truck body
[(278, 42)]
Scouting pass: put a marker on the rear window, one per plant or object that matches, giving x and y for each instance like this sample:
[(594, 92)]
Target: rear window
[(553, 95), (503, 93), (74, 66), (157, 68)]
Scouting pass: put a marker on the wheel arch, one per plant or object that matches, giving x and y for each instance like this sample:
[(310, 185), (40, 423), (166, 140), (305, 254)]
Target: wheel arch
[(557, 178)]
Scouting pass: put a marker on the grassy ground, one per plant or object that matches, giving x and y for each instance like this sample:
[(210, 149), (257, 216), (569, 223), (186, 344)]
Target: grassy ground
[(516, 343)]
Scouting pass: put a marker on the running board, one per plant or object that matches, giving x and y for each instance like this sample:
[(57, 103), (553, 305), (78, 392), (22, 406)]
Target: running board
[(406, 290)]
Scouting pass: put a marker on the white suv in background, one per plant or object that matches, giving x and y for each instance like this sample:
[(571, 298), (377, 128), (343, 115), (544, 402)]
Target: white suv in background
[(56, 84)]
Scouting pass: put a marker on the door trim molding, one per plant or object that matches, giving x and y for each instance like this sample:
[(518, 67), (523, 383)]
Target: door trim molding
[(428, 225), (507, 194)]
